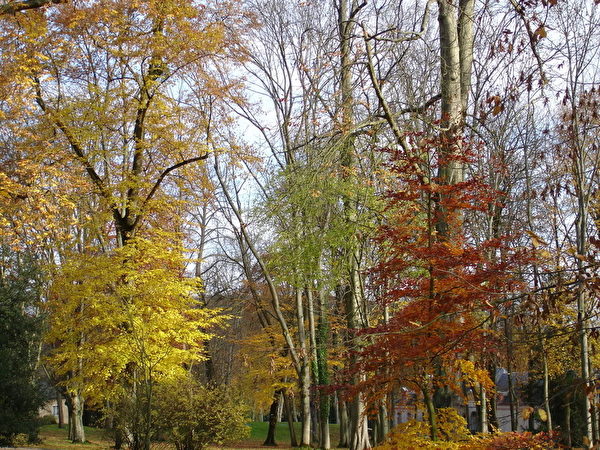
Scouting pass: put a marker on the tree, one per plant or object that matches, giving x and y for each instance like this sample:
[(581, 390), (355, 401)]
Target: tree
[(20, 345), (92, 66), (109, 83), (122, 322), (440, 293)]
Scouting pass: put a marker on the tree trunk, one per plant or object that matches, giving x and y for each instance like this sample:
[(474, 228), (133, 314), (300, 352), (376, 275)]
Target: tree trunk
[(304, 379), (76, 430), (323, 369), (546, 387), (290, 419), (493, 423), (315, 403), (483, 413), (280, 407), (344, 430), (568, 423), (315, 432), (270, 440), (359, 428), (431, 415), (359, 438), (394, 419), (582, 319), (61, 416), (456, 56), (384, 422)]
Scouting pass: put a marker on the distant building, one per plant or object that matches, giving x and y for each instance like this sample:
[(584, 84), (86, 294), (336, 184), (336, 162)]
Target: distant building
[(518, 380), (406, 404), (50, 407)]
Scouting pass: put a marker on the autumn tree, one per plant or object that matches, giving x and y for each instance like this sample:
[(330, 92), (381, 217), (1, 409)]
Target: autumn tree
[(103, 95), (106, 80), (121, 323)]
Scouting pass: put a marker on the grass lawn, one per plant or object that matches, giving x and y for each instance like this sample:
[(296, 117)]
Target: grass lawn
[(56, 438), (282, 433)]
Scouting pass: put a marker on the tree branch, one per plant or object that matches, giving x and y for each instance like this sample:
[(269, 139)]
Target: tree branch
[(73, 142), (532, 39), (382, 101), (15, 7), (159, 181)]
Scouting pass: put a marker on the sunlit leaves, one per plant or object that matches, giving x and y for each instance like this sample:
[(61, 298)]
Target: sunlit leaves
[(130, 307)]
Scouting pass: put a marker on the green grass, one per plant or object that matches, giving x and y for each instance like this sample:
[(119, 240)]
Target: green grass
[(56, 438), (282, 433)]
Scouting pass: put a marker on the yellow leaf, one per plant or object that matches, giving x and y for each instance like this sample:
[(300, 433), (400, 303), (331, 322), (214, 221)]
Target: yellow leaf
[(526, 413), (536, 241), (586, 442), (542, 415)]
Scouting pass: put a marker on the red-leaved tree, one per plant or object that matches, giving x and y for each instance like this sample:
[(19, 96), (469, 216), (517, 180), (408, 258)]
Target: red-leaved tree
[(441, 292)]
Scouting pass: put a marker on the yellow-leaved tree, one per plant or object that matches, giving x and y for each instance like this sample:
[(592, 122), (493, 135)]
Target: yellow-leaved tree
[(119, 324)]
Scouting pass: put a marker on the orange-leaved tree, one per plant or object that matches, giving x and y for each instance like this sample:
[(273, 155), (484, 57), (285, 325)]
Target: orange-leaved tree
[(441, 290), (110, 90)]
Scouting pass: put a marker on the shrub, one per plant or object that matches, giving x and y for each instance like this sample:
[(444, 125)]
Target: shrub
[(414, 434), (452, 429), (20, 394), (513, 441), (192, 415), (452, 426)]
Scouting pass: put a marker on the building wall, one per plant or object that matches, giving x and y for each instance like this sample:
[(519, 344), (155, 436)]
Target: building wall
[(51, 408)]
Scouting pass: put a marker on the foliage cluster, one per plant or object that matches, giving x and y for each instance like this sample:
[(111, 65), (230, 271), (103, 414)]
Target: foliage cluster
[(442, 289), (133, 308), (123, 322)]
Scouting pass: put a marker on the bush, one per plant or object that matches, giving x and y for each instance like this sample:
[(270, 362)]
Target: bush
[(48, 419), (452, 426), (513, 441), (192, 416), (416, 434), (454, 435)]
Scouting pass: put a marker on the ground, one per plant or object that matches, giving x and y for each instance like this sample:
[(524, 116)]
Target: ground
[(55, 438)]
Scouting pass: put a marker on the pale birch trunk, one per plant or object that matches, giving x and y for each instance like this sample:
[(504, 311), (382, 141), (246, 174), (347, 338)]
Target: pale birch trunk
[(359, 437), (305, 379)]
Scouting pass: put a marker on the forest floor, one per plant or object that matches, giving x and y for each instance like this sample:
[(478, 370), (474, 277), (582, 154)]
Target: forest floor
[(54, 438)]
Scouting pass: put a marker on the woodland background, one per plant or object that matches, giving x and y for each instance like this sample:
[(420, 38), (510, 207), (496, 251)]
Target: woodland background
[(341, 206)]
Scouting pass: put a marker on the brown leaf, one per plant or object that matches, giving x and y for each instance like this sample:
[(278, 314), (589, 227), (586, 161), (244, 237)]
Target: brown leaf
[(540, 32)]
